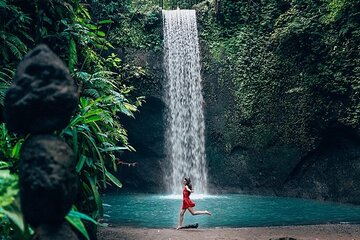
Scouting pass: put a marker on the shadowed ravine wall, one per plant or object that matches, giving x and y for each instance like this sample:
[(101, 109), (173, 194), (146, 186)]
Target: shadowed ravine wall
[(281, 106)]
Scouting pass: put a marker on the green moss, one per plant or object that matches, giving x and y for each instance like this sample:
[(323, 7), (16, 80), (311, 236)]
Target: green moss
[(292, 74), (136, 24)]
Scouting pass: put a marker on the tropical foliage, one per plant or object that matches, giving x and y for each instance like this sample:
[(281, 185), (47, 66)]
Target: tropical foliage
[(134, 25), (281, 54), (95, 132), (11, 222)]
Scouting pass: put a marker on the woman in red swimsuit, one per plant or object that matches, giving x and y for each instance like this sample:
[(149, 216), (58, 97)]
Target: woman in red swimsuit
[(187, 203)]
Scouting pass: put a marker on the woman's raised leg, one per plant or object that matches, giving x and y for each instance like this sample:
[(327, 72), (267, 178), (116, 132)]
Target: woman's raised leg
[(191, 210)]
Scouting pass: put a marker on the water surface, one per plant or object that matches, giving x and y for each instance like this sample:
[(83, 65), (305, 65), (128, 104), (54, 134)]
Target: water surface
[(233, 210)]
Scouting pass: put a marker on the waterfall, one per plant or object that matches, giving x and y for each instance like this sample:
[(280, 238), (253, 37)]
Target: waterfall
[(185, 141)]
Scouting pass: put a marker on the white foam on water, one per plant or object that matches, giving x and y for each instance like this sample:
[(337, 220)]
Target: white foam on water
[(192, 196)]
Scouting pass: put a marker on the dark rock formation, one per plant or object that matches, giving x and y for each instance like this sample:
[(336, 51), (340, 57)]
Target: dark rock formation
[(42, 100), (43, 97), (147, 129), (48, 180), (147, 137), (151, 84), (57, 232), (330, 172)]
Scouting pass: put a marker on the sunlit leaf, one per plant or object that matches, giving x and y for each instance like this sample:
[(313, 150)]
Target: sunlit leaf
[(100, 33), (4, 165), (16, 149), (113, 179), (78, 224), (76, 214), (13, 212), (80, 163), (95, 192), (105, 22)]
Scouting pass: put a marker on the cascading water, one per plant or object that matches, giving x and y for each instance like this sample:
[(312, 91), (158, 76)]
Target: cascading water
[(185, 118)]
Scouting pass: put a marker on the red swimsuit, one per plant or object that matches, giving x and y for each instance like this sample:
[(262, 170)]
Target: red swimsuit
[(186, 200)]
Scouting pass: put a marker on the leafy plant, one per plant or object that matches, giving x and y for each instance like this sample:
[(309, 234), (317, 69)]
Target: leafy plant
[(10, 145), (13, 31), (95, 136), (83, 35), (76, 219), (6, 75), (12, 224), (95, 132)]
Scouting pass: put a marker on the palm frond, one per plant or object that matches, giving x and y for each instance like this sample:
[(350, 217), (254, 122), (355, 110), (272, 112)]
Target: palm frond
[(12, 44), (3, 88), (16, 41), (3, 4), (72, 55), (26, 35), (14, 50), (91, 92), (6, 75), (4, 53)]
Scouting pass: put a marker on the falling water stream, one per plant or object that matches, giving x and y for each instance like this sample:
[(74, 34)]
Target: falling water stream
[(185, 118)]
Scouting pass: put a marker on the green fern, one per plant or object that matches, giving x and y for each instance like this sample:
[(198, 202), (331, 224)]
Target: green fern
[(6, 75), (14, 32), (91, 92), (14, 44), (104, 82), (3, 4)]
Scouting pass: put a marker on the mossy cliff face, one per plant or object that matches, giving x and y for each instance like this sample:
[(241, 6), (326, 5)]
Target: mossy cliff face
[(281, 84), (148, 127)]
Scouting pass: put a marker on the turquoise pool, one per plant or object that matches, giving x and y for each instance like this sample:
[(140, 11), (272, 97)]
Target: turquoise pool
[(233, 210)]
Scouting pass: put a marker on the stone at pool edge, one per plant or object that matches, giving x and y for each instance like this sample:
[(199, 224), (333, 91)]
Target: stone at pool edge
[(48, 180), (43, 96)]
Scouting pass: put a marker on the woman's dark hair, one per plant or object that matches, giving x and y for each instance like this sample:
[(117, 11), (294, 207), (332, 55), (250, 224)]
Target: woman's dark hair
[(188, 183)]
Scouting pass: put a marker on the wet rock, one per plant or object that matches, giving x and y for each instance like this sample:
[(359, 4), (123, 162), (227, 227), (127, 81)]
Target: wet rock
[(48, 180), (43, 96), (330, 172), (148, 126), (148, 139), (58, 232)]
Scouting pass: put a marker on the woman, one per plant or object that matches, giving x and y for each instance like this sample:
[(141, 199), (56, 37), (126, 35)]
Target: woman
[(187, 203)]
